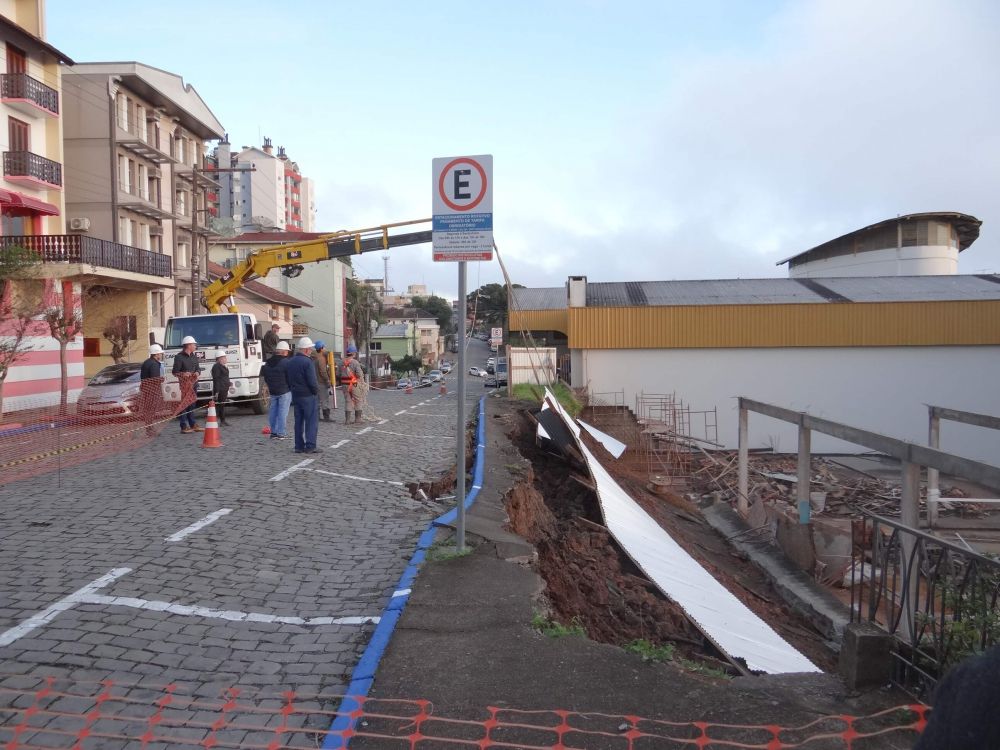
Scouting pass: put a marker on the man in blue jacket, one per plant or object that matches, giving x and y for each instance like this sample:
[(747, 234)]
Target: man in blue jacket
[(301, 375), (273, 373)]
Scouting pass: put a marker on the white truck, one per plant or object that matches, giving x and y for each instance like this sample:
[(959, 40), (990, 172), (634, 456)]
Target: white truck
[(240, 335)]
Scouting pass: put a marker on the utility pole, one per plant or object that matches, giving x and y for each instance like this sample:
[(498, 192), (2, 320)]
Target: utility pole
[(196, 173)]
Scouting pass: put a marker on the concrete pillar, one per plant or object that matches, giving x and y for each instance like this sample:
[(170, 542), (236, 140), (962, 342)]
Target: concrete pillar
[(933, 475), (743, 483), (804, 473), (909, 515)]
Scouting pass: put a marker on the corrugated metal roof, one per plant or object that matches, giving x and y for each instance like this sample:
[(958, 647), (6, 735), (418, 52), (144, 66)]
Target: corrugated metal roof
[(790, 291), (541, 298), (392, 331)]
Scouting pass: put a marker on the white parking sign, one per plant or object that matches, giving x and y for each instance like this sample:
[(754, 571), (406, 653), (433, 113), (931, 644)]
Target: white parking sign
[(463, 208)]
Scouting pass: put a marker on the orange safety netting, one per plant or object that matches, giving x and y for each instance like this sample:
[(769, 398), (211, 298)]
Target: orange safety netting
[(55, 713), (42, 439)]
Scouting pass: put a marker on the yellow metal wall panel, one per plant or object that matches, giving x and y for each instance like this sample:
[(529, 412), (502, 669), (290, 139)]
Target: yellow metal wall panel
[(539, 320), (953, 323)]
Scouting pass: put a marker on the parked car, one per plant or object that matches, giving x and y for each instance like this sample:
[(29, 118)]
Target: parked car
[(501, 371), (489, 368), (446, 367), (112, 392), (490, 382), (434, 376), (404, 383), (477, 372)]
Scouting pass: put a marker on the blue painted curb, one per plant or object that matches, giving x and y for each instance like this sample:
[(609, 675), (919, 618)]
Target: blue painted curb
[(364, 672)]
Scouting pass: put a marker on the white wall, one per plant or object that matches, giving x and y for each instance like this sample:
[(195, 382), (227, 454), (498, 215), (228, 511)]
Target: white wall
[(920, 260), (884, 389)]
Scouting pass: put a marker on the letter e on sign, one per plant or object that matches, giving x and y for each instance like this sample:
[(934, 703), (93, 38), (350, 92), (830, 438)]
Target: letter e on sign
[(463, 208)]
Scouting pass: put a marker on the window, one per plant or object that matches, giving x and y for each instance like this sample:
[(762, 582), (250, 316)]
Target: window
[(123, 230), (182, 309), (288, 313), (144, 236), (15, 226), (121, 110), (141, 125), (19, 135), (180, 202), (156, 311), (183, 258), (142, 183), (375, 346), (133, 231), (124, 183), (17, 60)]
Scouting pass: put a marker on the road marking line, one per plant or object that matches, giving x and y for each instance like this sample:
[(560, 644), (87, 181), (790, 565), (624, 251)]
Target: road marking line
[(399, 412), (425, 414), (49, 613), (367, 429), (219, 614), (384, 421), (426, 437), (210, 518), (281, 475), (351, 476), (345, 441)]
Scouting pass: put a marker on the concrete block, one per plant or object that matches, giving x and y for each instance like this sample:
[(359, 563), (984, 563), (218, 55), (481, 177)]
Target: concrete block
[(865, 656)]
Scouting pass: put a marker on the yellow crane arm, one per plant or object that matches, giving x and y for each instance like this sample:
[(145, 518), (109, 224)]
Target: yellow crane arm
[(291, 257)]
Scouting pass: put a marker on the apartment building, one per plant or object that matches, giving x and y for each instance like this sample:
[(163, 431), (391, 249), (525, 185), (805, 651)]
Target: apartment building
[(32, 204), (135, 140)]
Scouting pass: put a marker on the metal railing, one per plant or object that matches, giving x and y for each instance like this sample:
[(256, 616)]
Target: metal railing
[(938, 600), (23, 86), (27, 164), (76, 248)]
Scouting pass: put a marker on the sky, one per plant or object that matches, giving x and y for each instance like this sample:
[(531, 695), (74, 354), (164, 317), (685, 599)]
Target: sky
[(631, 140)]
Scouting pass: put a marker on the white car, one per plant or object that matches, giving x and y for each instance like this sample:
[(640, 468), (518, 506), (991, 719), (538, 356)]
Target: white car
[(477, 372)]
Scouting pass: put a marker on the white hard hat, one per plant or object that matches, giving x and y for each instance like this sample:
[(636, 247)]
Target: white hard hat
[(188, 340), (282, 347), (220, 353), (155, 349), (305, 343)]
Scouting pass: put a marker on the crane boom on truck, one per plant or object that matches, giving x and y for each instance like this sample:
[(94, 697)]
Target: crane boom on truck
[(291, 257), (225, 329)]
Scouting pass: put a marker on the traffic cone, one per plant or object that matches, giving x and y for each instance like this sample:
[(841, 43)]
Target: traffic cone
[(266, 430), (443, 390), (211, 429), (409, 390)]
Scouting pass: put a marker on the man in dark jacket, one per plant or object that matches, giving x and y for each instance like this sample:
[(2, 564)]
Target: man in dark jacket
[(220, 385), (186, 369), (965, 713), (301, 374), (274, 376), (270, 343), (151, 388)]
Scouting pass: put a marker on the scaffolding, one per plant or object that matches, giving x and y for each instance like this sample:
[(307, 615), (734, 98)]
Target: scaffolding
[(670, 433)]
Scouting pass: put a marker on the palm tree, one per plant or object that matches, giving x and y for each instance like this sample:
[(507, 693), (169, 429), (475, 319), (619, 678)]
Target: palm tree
[(363, 308)]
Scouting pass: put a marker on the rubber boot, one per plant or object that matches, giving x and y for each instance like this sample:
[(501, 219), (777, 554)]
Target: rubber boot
[(348, 417), (359, 417), (326, 415)]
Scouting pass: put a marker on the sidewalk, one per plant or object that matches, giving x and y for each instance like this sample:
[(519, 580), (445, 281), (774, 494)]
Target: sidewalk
[(465, 643)]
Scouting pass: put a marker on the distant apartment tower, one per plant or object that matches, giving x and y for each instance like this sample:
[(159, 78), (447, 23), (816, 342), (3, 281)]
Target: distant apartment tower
[(267, 194)]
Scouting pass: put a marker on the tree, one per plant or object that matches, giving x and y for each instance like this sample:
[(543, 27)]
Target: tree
[(439, 307), (409, 363), (62, 311), (118, 332), (15, 314), (363, 308), (490, 303)]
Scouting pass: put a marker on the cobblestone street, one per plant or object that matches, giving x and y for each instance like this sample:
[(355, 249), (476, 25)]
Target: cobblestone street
[(244, 565)]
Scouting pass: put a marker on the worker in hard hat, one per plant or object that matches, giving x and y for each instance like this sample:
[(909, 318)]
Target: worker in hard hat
[(323, 378), (186, 370), (151, 388), (301, 374), (352, 377), (220, 385), (274, 375)]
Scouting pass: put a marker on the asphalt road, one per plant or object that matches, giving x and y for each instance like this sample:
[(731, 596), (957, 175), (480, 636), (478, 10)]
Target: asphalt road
[(242, 565)]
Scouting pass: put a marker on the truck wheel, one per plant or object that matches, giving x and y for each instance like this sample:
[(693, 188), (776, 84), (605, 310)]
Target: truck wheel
[(261, 403)]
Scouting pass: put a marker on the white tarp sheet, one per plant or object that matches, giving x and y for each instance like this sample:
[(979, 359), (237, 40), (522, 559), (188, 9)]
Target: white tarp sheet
[(726, 620)]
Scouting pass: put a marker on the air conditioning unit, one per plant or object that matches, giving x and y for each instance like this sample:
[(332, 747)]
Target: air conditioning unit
[(79, 225), (156, 230)]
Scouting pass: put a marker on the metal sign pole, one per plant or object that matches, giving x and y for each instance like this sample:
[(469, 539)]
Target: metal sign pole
[(460, 439)]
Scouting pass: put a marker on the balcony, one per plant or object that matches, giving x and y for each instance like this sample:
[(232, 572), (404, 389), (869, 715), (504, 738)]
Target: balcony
[(140, 140), (31, 169), (28, 95), (76, 248), (135, 198)]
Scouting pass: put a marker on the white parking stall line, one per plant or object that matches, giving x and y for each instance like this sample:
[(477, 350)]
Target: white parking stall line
[(282, 474), (198, 525), (422, 437), (336, 445), (352, 476), (218, 614), (366, 429), (49, 613), (399, 412), (384, 421)]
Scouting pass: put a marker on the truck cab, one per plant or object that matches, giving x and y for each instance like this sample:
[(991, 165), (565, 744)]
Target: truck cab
[(239, 334)]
